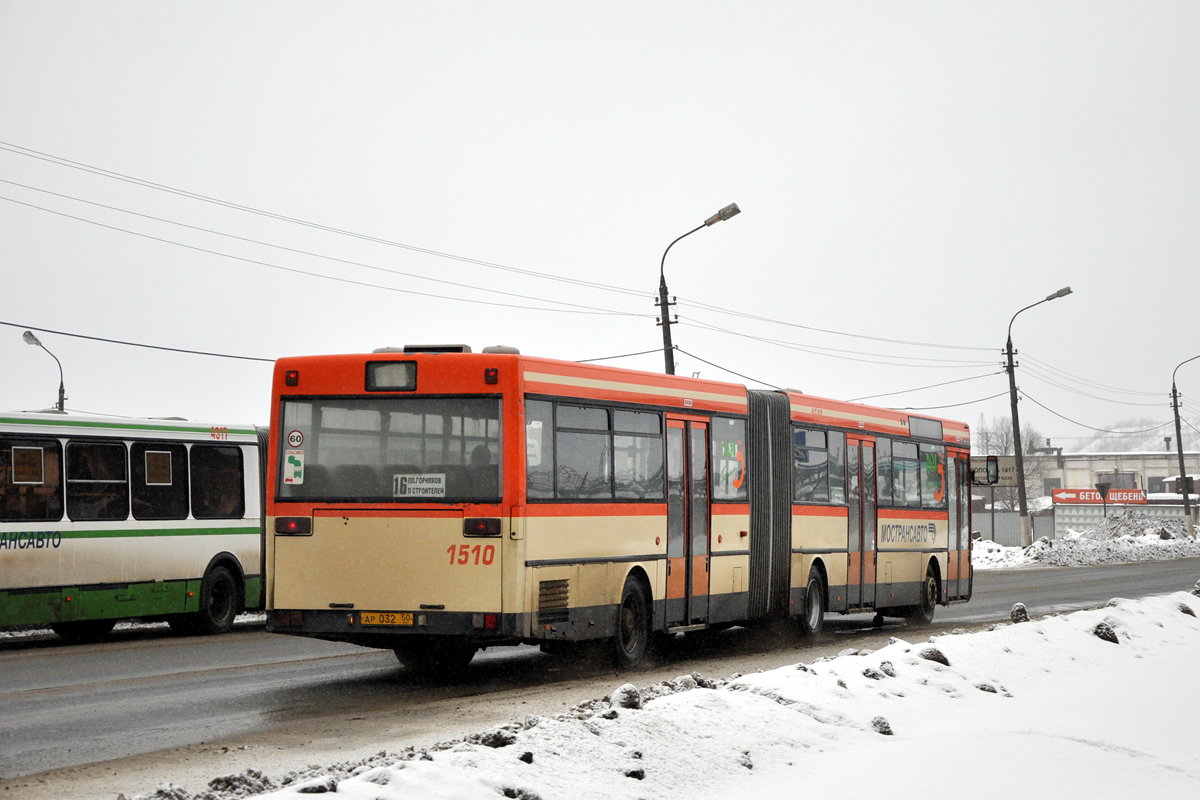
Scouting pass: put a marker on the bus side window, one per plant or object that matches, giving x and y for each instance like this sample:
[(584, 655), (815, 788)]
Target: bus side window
[(160, 481), (883, 461), (218, 484), (539, 449), (97, 481), (31, 480)]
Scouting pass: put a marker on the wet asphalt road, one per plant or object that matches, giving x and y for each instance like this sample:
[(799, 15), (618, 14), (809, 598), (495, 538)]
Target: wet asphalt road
[(145, 690)]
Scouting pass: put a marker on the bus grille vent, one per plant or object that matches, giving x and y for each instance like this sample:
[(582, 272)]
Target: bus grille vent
[(553, 597)]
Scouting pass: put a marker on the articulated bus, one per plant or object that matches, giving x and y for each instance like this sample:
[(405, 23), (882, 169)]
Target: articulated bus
[(436, 501), (105, 518)]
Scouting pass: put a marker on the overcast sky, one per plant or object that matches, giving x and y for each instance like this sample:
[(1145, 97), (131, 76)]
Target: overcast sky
[(910, 175)]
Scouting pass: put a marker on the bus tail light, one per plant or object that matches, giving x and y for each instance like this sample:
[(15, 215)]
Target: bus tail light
[(488, 622), (481, 526), (293, 526), (291, 377)]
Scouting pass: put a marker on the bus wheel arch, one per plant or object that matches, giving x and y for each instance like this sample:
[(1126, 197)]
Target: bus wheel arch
[(634, 622), (222, 598)]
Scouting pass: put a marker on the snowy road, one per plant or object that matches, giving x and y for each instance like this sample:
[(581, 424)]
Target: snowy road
[(142, 694)]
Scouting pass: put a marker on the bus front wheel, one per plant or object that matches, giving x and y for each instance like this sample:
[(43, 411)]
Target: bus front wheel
[(922, 614), (813, 618), (633, 625)]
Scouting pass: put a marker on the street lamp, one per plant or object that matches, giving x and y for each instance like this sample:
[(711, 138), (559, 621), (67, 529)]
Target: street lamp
[(1183, 479), (1026, 538), (725, 213), (62, 397)]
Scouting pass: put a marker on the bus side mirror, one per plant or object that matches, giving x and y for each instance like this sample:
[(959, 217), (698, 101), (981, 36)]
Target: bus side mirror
[(993, 470)]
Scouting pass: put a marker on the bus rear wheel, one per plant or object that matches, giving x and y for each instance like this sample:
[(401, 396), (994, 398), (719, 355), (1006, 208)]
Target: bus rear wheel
[(633, 625), (812, 620), (91, 630), (922, 614), (220, 603)]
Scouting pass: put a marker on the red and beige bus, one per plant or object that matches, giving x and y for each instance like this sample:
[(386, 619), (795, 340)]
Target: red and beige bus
[(436, 501)]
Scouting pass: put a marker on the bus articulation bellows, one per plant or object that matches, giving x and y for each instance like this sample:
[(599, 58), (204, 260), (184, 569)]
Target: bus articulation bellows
[(109, 518), (435, 501)]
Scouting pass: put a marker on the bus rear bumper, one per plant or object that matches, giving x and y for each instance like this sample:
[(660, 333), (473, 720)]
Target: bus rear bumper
[(347, 625)]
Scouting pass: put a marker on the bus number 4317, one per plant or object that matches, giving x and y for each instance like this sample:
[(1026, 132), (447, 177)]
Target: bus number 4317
[(464, 553)]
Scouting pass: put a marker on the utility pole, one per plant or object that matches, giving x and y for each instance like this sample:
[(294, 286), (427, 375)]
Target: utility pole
[(1184, 483), (1026, 536)]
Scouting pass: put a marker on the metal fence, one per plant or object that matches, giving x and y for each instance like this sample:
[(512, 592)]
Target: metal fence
[(1066, 517), (1007, 530), (1080, 517)]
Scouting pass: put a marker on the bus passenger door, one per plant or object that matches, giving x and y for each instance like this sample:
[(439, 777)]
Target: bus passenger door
[(966, 578), (687, 523), (867, 467), (854, 524), (953, 574), (959, 503), (860, 497)]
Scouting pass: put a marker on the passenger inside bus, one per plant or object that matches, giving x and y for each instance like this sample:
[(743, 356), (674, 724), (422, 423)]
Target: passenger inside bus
[(485, 479)]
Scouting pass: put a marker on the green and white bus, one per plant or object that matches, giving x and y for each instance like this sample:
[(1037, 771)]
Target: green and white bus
[(107, 518)]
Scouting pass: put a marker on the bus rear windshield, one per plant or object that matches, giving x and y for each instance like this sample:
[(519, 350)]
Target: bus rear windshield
[(390, 449)]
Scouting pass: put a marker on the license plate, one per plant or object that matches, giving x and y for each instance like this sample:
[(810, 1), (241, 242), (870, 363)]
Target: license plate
[(385, 618)]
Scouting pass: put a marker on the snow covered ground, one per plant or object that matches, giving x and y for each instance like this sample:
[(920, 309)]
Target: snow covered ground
[(1048, 708), (1123, 538)]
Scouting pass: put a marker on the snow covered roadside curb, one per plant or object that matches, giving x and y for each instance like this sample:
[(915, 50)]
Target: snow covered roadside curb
[(1045, 707)]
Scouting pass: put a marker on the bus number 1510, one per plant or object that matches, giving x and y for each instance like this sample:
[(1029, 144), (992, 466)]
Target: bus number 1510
[(464, 553)]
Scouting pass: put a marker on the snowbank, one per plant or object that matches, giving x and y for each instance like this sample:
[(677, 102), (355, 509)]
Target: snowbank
[(1043, 708), (1122, 538)]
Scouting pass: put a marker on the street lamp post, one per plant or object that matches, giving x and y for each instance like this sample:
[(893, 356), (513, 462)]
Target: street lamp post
[(1026, 537), (1183, 479), (62, 397), (663, 302)]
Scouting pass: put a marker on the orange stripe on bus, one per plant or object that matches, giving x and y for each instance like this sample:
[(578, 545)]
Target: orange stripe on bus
[(820, 511)]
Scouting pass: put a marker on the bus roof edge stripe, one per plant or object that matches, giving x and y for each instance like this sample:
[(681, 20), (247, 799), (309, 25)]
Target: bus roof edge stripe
[(69, 422), (633, 388)]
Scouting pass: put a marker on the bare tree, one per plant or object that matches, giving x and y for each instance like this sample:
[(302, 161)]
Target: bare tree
[(994, 437)]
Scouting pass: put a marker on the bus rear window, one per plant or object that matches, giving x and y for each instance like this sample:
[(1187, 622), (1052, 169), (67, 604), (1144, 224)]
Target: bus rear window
[(390, 449)]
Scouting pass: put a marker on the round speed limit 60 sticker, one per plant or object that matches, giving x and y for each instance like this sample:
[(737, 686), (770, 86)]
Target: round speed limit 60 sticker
[(295, 439)]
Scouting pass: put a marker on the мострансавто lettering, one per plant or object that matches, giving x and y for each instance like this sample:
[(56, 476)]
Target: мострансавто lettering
[(28, 540), (911, 533)]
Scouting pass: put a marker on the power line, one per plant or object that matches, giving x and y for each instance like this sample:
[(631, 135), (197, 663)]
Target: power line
[(1089, 427), (726, 369), (601, 312), (921, 388), (1038, 375), (137, 344), (831, 352), (952, 405), (610, 358), (292, 249), (1085, 381), (65, 162), (730, 312)]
